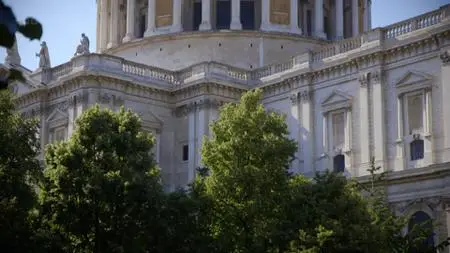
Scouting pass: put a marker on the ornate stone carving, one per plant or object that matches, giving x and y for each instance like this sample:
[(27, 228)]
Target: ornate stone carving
[(376, 76), (363, 79), (302, 95), (445, 58), (83, 47)]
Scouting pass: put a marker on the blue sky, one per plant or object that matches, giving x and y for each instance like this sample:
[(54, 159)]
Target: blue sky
[(65, 20)]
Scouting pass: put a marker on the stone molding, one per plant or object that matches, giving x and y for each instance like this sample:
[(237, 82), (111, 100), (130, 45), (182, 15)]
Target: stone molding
[(198, 105), (301, 96), (445, 58), (364, 79)]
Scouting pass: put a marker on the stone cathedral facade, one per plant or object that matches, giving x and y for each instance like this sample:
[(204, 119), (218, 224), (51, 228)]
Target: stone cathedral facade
[(350, 92)]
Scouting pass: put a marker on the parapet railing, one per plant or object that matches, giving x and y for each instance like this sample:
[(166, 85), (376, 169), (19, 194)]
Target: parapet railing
[(171, 79)]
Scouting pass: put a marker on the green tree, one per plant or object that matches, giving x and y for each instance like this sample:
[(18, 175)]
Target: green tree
[(19, 171), (102, 190), (248, 157)]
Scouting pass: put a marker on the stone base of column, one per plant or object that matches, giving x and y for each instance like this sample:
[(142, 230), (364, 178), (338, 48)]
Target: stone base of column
[(320, 35), (111, 44), (176, 28), (265, 27), (235, 25), (149, 32), (296, 30), (128, 37), (205, 26)]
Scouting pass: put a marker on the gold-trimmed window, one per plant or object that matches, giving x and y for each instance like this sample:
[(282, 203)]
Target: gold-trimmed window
[(280, 12)]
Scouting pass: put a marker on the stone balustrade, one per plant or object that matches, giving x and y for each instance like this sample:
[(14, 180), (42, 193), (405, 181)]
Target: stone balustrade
[(174, 79)]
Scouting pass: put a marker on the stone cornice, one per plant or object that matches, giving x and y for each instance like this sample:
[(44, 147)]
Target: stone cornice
[(281, 84), (199, 104), (208, 34)]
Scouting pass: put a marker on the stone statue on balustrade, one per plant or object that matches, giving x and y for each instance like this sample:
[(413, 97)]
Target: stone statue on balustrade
[(44, 57), (83, 47)]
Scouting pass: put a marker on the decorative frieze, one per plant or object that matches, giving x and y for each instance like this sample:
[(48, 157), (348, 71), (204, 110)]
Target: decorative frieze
[(300, 96), (184, 110)]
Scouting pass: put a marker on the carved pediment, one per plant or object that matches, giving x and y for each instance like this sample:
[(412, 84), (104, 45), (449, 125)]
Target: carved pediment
[(149, 119), (413, 80), (57, 118), (336, 100)]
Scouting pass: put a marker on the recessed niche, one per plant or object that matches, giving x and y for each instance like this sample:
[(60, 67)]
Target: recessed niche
[(220, 44), (189, 46), (251, 44)]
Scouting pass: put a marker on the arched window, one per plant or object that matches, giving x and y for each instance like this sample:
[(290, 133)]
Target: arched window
[(420, 221), (339, 163), (417, 150)]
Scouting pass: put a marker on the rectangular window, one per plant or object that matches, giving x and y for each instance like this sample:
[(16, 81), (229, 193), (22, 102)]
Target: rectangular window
[(338, 124), (185, 152), (59, 134), (415, 113)]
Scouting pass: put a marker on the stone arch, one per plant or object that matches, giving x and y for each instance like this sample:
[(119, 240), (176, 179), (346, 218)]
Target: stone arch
[(418, 213)]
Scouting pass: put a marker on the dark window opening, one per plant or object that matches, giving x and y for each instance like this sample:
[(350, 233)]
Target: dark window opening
[(417, 150), (326, 27), (142, 26), (248, 15), (197, 15), (185, 152), (309, 22), (421, 222), (223, 14), (339, 163)]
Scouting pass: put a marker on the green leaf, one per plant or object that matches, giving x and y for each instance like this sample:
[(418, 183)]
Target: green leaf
[(6, 38), (32, 29)]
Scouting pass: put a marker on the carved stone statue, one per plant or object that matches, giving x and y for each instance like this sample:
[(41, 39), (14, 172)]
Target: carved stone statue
[(44, 57), (83, 48), (12, 55)]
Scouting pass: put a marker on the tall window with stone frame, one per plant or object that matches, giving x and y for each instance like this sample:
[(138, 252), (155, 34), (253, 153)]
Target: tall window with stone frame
[(415, 104), (58, 134), (414, 117), (338, 126), (337, 121)]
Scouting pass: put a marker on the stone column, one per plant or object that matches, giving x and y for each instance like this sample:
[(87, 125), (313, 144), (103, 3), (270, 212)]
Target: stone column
[(294, 130), (339, 19), (364, 136), (191, 142), (131, 6), (265, 15), (307, 134), (378, 118), (400, 162), (444, 94), (151, 24), (366, 16), (177, 9), (294, 18), (103, 40), (236, 15), (319, 28), (206, 16), (355, 18), (113, 28), (201, 130)]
